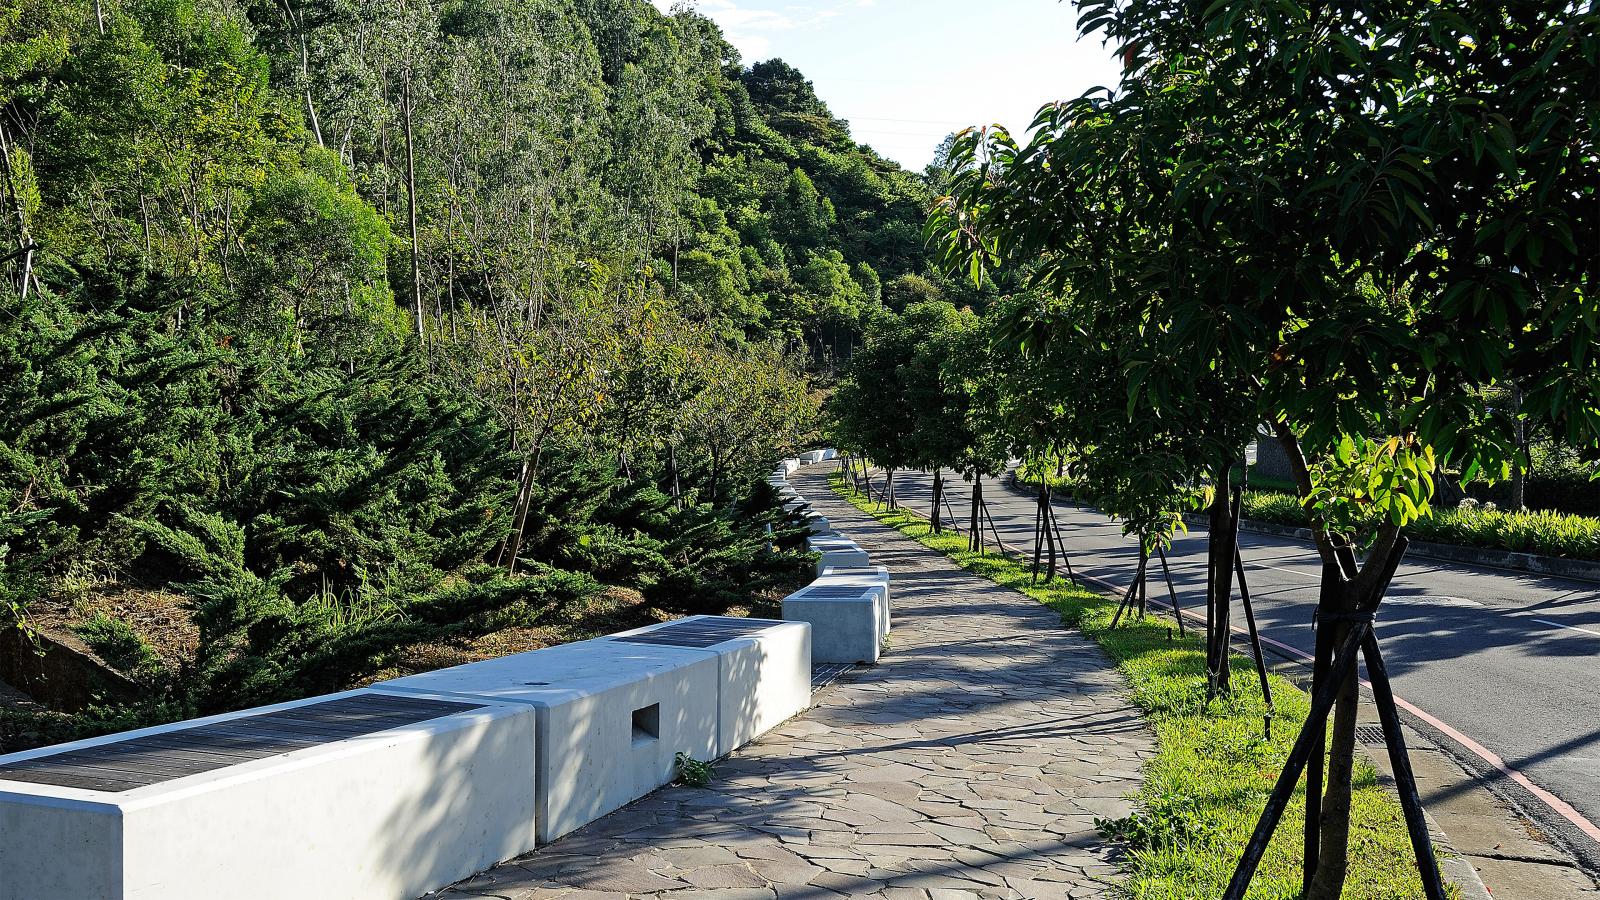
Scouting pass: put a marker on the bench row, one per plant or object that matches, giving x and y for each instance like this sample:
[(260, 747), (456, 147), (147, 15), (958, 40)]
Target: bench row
[(847, 605), (399, 789), (414, 783)]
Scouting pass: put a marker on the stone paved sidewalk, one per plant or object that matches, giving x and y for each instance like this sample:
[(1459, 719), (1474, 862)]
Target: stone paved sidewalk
[(971, 762)]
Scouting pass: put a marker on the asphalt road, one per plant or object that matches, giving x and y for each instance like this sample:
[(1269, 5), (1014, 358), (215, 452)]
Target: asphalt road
[(1507, 660)]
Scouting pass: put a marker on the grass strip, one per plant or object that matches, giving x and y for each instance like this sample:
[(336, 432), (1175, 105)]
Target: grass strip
[(1213, 769)]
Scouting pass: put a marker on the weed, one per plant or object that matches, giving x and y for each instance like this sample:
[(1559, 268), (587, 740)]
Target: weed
[(693, 772)]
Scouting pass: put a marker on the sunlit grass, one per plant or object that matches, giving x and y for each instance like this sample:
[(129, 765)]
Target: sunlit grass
[(1213, 770)]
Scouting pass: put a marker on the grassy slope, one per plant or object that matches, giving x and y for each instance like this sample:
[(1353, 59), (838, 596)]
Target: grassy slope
[(1210, 778)]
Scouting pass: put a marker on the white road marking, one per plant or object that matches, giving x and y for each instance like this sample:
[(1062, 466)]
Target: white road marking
[(1257, 565), (1569, 627)]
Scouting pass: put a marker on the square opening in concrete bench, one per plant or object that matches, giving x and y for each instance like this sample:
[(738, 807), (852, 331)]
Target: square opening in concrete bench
[(848, 621), (873, 577), (612, 717), (765, 668), (836, 550), (365, 795)]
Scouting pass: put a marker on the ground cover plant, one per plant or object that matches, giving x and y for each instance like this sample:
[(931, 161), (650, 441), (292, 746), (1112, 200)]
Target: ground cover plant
[(1213, 770), (1470, 524)]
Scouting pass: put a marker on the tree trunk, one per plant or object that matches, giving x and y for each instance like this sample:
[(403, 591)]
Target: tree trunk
[(975, 525), (716, 476), (14, 197), (506, 556), (411, 197), (938, 495), (1049, 533), (1220, 547), (888, 487), (672, 476), (297, 27), (1519, 472), (1346, 588)]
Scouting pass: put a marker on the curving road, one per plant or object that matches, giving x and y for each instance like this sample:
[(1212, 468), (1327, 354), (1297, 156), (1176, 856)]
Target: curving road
[(1505, 660)]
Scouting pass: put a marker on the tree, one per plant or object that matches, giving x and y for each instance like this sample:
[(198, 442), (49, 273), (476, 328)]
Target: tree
[(314, 254), (869, 413)]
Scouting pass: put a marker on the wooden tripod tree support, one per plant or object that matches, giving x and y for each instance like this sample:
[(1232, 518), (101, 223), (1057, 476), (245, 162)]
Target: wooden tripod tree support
[(1166, 572), (1047, 534), (1337, 666), (1041, 507), (949, 511), (1136, 594), (1065, 556), (1255, 635), (983, 506)]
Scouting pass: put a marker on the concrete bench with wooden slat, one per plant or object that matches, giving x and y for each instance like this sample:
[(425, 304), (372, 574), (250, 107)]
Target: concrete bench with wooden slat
[(764, 668), (611, 719), (848, 621), (338, 796)]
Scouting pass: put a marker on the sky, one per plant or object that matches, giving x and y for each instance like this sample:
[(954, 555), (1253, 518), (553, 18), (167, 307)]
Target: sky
[(905, 73)]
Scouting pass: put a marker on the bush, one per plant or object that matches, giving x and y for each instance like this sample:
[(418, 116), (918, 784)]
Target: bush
[(118, 644)]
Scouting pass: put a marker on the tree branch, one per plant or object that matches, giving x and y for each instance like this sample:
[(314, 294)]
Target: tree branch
[(1326, 548)]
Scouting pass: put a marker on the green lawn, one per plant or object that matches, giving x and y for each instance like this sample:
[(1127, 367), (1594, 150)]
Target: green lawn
[(1206, 786)]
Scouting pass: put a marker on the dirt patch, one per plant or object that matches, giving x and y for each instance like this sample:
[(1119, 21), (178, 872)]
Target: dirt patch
[(163, 619)]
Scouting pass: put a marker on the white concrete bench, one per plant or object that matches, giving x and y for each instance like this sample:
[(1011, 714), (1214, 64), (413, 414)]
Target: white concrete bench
[(789, 465), (848, 621), (875, 578), (612, 717), (836, 550), (811, 456), (765, 674), (365, 795)]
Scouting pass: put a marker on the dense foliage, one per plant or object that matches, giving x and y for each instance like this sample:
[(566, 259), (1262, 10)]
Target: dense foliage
[(366, 327)]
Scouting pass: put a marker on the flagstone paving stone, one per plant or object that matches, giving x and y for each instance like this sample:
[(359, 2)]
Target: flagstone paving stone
[(969, 764)]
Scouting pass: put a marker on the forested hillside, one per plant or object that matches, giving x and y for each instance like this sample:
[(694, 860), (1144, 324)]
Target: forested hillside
[(341, 336)]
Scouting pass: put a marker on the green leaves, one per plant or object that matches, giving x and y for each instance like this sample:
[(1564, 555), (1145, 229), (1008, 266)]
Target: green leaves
[(1364, 478)]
